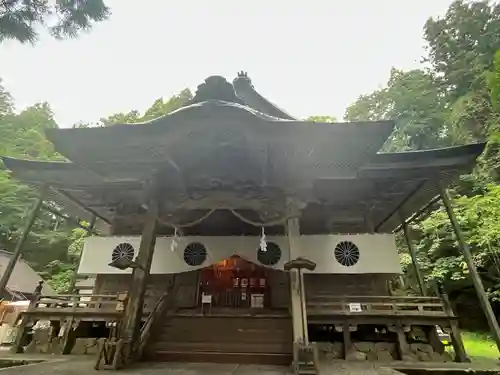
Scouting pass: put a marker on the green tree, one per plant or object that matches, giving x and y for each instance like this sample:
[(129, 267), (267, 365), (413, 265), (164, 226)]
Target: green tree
[(322, 119), (461, 49), (159, 108), (20, 19), (455, 101), (461, 45), (52, 250), (413, 99)]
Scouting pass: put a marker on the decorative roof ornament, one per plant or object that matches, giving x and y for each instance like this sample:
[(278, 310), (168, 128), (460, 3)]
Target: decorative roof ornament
[(243, 78), (216, 88)]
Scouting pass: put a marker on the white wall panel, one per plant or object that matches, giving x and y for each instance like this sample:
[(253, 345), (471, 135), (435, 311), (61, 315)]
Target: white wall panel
[(378, 252)]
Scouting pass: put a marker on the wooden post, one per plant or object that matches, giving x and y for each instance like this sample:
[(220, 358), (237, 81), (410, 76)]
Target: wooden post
[(21, 328), (413, 254), (476, 279), (402, 344), (293, 234), (433, 339), (133, 309), (456, 338), (74, 276), (346, 334), (20, 243), (303, 307), (68, 336)]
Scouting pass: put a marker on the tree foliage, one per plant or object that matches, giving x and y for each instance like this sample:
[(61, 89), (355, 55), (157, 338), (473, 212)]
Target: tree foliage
[(20, 19), (322, 119), (53, 247), (455, 101), (414, 100)]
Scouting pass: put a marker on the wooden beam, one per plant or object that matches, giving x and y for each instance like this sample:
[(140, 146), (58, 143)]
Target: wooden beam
[(20, 243), (76, 222), (476, 278), (80, 204), (414, 260), (135, 299), (397, 209), (420, 212)]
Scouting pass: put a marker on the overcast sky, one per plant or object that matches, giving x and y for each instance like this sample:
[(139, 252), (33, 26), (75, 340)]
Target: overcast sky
[(310, 57)]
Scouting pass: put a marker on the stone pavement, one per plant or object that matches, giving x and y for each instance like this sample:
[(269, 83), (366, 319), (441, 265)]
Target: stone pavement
[(83, 366), (78, 365)]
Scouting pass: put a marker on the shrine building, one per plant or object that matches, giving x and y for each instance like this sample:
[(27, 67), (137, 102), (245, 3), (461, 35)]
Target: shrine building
[(229, 230)]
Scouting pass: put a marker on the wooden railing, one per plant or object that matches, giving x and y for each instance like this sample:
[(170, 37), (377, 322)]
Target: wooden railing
[(75, 303), (146, 329), (322, 304)]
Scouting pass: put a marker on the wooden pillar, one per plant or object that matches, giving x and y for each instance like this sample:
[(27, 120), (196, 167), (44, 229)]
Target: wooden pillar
[(402, 344), (476, 279), (135, 299), (433, 339), (293, 235), (413, 254), (456, 337), (74, 276), (303, 307), (20, 243), (17, 347), (346, 334)]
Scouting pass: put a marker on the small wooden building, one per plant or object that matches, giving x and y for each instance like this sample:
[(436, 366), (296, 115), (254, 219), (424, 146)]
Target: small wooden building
[(23, 280), (209, 203)]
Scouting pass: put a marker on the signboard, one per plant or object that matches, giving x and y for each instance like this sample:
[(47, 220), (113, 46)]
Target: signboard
[(206, 298), (355, 307), (257, 301)]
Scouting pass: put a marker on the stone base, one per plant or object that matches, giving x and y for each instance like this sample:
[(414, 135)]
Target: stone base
[(40, 343), (425, 353), (330, 351), (376, 351), (379, 352)]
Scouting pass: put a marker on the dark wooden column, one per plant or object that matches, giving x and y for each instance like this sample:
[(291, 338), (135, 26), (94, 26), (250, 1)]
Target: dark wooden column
[(476, 279), (20, 243), (346, 334), (413, 254), (133, 311)]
